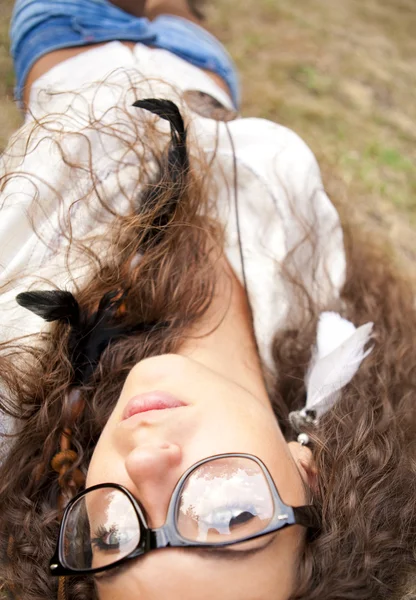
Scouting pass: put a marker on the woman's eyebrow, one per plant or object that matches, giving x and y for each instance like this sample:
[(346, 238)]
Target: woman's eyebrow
[(226, 553), (113, 573), (229, 553)]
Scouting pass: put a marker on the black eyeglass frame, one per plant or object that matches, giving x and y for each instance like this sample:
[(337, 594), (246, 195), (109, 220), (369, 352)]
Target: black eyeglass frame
[(168, 536)]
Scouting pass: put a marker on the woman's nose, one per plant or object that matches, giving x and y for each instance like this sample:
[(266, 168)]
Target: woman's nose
[(154, 469)]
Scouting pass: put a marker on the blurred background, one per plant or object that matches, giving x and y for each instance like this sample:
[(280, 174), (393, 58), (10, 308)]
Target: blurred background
[(342, 74)]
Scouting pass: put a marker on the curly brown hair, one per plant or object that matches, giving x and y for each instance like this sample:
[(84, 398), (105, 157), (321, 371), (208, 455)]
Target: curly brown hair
[(364, 448)]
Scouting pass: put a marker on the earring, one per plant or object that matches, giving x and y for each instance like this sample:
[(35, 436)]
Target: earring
[(303, 439)]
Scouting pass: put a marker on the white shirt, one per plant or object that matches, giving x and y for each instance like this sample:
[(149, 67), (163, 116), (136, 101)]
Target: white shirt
[(280, 192)]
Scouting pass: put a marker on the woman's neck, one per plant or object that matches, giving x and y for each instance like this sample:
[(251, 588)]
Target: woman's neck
[(223, 339)]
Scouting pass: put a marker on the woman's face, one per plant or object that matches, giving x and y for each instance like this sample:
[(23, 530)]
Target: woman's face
[(148, 452)]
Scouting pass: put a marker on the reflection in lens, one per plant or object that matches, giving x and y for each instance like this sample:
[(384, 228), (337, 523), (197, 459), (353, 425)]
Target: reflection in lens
[(102, 528), (224, 500)]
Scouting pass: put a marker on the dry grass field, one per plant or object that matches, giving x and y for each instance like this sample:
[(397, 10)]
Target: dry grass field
[(342, 74)]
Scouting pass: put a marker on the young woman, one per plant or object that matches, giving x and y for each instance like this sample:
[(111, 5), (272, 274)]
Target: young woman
[(208, 387)]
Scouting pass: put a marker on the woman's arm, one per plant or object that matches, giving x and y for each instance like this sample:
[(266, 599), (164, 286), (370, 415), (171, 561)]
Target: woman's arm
[(134, 7), (188, 9), (179, 8)]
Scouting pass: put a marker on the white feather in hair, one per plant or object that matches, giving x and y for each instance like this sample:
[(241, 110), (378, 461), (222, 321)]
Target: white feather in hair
[(337, 356)]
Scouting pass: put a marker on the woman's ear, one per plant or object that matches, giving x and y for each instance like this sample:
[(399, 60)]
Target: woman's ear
[(303, 457)]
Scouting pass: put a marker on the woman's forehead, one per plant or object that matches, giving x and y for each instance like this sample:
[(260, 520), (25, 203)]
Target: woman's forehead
[(179, 574)]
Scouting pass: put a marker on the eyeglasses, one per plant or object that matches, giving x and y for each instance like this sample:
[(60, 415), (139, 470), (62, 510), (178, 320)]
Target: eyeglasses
[(219, 501)]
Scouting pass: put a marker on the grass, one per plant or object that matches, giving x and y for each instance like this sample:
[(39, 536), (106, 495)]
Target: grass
[(341, 74), (10, 118)]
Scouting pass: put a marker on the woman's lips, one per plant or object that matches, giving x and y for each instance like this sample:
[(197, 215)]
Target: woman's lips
[(156, 400)]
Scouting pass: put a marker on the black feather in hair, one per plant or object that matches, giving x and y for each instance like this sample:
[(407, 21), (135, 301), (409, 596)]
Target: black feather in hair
[(174, 170), (51, 305), (178, 161), (90, 333)]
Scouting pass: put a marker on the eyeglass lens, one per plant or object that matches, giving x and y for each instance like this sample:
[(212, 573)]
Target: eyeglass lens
[(222, 500), (102, 528)]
